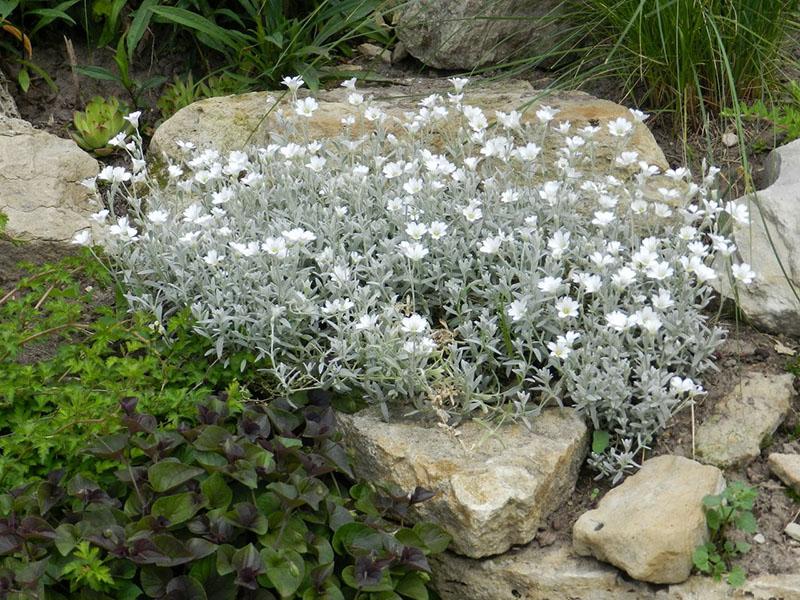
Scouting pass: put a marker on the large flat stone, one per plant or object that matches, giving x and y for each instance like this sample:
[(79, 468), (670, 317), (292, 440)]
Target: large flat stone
[(651, 524), (740, 422), (555, 573), (771, 245), (492, 491), (787, 468), (40, 188), (232, 122), (465, 34)]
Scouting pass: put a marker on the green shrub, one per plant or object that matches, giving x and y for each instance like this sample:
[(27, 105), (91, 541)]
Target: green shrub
[(243, 502), (68, 354), (726, 512), (687, 56)]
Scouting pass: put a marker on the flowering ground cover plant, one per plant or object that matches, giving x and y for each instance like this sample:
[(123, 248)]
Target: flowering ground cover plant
[(443, 260)]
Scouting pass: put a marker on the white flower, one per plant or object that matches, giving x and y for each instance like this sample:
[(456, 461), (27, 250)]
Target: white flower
[(174, 171), (316, 163), (647, 319), (517, 310), (275, 246), (739, 212), (298, 235), (458, 83), (624, 277), (413, 251), (659, 270), (349, 84), (374, 114), (559, 243), (133, 118), (366, 322), (638, 115), (472, 213), (546, 114), (743, 273), (677, 174), (437, 230), (475, 118), (603, 218), (528, 152), (508, 120), (392, 170), (414, 324), (685, 386), (337, 306), (305, 107), (413, 186), (293, 83), (123, 229), (687, 233), (550, 285), (627, 159), (620, 127), (114, 174), (82, 238), (90, 183), (222, 196), (662, 210), (490, 245), (416, 231), (639, 207), (158, 217), (213, 258), (509, 196), (663, 300), (563, 345), (99, 216), (590, 282), (247, 250), (566, 307), (617, 320), (497, 146)]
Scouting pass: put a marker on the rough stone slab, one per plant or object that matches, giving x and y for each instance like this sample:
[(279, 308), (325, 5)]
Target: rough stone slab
[(226, 123), (465, 34), (769, 301), (555, 573), (40, 188), (751, 411), (787, 468), (493, 491), (651, 524), (8, 108)]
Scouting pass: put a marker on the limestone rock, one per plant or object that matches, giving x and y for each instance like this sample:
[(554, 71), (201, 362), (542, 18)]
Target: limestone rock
[(40, 188), (465, 34), (232, 122), (787, 468), (8, 108), (769, 301), (650, 525), (753, 410), (492, 491), (554, 573)]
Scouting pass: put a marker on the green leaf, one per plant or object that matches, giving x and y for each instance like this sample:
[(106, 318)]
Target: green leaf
[(714, 520), (66, 538), (435, 538), (97, 73), (217, 493), (187, 18), (24, 79), (211, 438), (412, 586), (746, 522), (154, 580), (600, 441), (355, 537), (737, 577), (177, 508), (170, 473), (285, 570)]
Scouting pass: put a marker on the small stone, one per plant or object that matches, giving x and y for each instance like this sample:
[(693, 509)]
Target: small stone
[(373, 51), (730, 139), (651, 524), (787, 468), (793, 531), (732, 435), (759, 538), (492, 492)]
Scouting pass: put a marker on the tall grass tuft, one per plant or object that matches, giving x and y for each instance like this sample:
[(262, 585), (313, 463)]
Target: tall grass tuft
[(693, 57)]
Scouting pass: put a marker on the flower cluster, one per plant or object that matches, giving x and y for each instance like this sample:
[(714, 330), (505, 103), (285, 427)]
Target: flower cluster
[(458, 270)]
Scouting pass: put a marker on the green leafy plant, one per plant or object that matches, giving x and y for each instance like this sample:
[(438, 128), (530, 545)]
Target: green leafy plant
[(685, 57), (243, 501), (98, 123), (731, 510), (183, 91), (69, 352), (783, 116)]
